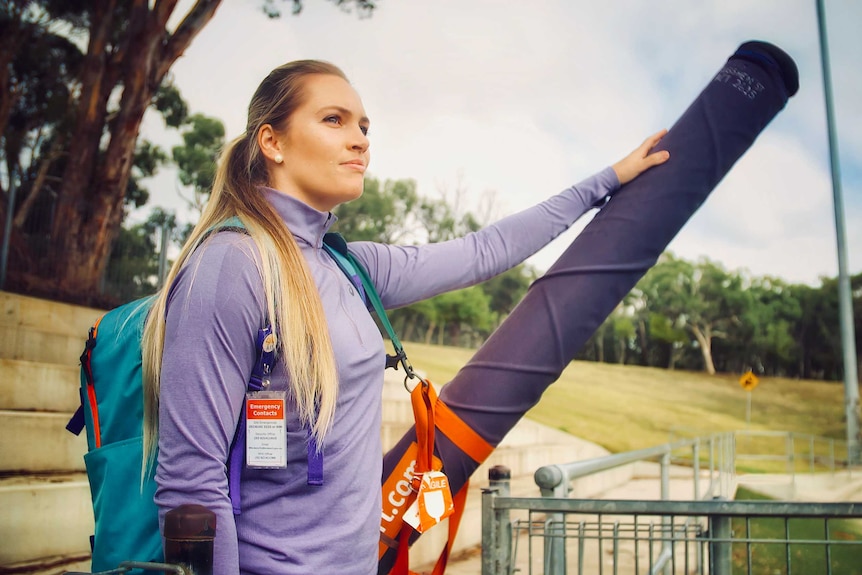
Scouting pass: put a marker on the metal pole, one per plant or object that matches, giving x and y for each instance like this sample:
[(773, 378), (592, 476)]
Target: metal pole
[(499, 479), (667, 521), (7, 236), (489, 532), (845, 304), (720, 558), (748, 410), (163, 254), (696, 464), (554, 482)]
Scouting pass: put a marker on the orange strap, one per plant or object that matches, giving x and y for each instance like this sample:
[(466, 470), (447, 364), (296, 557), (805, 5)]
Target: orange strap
[(461, 434), (424, 400), (460, 502), (431, 413), (402, 566), (91, 389)]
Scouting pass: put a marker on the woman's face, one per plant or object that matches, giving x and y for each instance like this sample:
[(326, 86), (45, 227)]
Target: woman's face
[(325, 146)]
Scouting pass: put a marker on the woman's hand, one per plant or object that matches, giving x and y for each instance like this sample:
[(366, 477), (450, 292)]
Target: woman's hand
[(641, 159)]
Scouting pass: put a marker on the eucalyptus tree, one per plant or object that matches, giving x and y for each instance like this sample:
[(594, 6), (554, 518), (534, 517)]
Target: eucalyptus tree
[(127, 52)]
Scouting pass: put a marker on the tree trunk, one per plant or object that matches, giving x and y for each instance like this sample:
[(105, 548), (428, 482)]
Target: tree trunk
[(642, 337), (429, 333), (26, 205), (704, 339), (90, 209), (71, 229)]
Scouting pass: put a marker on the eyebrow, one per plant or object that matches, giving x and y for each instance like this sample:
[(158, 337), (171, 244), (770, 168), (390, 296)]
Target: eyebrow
[(346, 112)]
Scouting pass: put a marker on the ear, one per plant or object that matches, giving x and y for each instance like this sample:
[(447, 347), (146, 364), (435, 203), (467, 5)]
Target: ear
[(268, 142)]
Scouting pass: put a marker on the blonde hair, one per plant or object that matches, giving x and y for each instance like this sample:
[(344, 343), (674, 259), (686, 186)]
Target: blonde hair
[(293, 305)]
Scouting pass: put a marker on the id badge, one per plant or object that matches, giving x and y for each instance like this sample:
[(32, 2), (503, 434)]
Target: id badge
[(265, 430)]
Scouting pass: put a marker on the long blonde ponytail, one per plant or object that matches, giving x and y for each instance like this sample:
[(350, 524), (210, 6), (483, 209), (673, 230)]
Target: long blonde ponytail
[(293, 305)]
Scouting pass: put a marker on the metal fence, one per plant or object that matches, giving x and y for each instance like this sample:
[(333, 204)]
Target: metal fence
[(710, 534), (557, 536)]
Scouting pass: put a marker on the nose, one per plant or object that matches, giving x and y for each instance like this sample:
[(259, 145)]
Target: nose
[(360, 141)]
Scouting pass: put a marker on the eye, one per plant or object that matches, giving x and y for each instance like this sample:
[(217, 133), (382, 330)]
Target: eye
[(333, 119), (364, 130)]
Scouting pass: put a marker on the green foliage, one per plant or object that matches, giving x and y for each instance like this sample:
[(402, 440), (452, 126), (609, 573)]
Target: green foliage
[(196, 159), (169, 102), (133, 266), (393, 212), (148, 158), (133, 269), (690, 314), (384, 213), (507, 289)]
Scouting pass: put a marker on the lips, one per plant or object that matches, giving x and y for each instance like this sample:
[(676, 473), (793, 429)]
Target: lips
[(357, 165)]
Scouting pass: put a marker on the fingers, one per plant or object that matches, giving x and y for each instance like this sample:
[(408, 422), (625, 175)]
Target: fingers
[(651, 141), (641, 159), (657, 158)]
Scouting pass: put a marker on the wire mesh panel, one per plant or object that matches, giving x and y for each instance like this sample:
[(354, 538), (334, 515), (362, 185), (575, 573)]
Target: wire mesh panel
[(556, 536), (606, 544)]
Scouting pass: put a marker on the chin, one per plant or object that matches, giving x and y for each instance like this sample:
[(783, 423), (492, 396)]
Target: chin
[(353, 194)]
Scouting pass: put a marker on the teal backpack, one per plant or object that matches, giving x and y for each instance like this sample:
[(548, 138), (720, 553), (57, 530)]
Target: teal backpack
[(111, 411)]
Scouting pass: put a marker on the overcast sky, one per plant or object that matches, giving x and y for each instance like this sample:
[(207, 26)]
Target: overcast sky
[(526, 98)]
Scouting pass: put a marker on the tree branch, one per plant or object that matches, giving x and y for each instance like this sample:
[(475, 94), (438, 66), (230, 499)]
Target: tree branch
[(162, 12), (176, 43)]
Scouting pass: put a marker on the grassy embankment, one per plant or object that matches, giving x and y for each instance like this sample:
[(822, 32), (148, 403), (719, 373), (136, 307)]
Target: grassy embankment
[(628, 407)]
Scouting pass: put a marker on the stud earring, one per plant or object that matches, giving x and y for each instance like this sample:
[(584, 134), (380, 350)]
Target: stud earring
[(278, 158)]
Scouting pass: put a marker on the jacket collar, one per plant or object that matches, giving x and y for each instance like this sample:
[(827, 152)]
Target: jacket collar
[(305, 223)]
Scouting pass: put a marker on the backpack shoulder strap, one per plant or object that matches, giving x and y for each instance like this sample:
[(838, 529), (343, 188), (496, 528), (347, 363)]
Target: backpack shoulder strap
[(336, 246)]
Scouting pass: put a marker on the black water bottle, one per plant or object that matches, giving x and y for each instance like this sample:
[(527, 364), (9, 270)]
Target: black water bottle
[(189, 535)]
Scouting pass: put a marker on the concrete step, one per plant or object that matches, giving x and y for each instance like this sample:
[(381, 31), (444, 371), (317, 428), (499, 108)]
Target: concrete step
[(43, 331), (44, 516), (38, 442), (55, 565), (35, 386)]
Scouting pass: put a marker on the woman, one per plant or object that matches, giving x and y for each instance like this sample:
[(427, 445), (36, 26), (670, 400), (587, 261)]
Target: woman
[(304, 152)]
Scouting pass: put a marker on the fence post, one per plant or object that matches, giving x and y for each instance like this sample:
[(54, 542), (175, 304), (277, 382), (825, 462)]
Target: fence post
[(500, 554), (489, 531), (695, 453), (666, 521), (553, 482), (720, 558)]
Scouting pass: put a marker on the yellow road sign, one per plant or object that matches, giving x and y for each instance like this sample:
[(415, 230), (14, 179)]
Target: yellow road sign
[(748, 381)]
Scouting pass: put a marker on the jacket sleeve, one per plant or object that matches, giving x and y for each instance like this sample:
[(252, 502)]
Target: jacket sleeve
[(214, 312), (407, 274)]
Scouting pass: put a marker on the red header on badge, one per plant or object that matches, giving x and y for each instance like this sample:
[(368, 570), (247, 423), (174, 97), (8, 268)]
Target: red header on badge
[(264, 409)]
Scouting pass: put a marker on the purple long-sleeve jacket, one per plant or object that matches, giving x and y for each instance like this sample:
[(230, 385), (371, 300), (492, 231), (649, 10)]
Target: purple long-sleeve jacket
[(215, 309)]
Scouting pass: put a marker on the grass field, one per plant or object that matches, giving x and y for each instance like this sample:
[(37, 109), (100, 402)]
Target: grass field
[(843, 558), (629, 407)]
